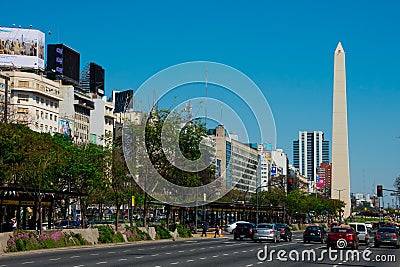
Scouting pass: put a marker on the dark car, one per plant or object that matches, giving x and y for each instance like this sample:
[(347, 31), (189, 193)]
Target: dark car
[(244, 230), (389, 236), (342, 237), (315, 233), (284, 231)]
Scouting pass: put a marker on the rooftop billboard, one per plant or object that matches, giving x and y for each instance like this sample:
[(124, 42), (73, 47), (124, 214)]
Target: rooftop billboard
[(21, 48)]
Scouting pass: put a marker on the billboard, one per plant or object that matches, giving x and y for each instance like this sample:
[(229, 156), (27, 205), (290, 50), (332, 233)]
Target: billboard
[(320, 182), (96, 79), (21, 48), (64, 61), (65, 127)]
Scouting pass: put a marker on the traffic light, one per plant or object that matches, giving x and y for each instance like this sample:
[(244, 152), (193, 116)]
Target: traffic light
[(379, 191), (289, 185)]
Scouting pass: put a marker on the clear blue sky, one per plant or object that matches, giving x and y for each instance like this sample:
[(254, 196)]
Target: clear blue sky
[(285, 47)]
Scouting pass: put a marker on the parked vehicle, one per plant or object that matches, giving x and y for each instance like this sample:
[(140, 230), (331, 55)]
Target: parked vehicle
[(284, 231), (362, 232), (244, 230), (342, 237), (387, 236), (266, 231), (314, 233), (231, 226)]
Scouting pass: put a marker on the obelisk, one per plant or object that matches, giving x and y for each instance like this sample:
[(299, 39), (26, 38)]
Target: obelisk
[(340, 150)]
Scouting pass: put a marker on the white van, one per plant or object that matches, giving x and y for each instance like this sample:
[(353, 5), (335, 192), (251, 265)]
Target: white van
[(362, 230)]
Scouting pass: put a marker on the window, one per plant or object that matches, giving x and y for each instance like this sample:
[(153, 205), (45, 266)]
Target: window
[(37, 114), (23, 84), (42, 100), (51, 104), (41, 114), (23, 98), (51, 117), (23, 110), (46, 116), (47, 102), (55, 117)]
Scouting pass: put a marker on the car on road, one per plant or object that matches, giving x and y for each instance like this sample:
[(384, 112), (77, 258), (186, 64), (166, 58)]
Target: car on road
[(314, 233), (266, 231), (342, 237), (389, 236), (284, 231), (369, 225), (231, 226), (244, 230), (362, 232)]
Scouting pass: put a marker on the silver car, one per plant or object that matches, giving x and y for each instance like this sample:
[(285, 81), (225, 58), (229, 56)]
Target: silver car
[(266, 231)]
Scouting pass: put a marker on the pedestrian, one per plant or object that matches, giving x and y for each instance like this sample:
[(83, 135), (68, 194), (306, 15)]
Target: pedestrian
[(217, 231), (204, 229)]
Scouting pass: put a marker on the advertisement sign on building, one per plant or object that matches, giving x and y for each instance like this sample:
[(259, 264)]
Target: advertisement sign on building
[(273, 171), (63, 61), (320, 182), (65, 127), (22, 48)]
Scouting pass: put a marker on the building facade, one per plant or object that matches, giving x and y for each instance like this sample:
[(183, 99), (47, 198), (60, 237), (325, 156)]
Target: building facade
[(324, 176), (309, 151), (35, 101), (238, 161)]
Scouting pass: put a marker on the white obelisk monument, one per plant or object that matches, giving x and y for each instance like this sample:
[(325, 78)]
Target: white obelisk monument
[(340, 149)]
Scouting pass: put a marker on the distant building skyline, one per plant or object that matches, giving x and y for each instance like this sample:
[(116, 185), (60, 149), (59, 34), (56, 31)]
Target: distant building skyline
[(309, 151)]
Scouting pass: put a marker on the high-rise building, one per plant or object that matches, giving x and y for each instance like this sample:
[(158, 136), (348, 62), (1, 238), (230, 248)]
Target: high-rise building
[(309, 151), (340, 147), (237, 162), (324, 173)]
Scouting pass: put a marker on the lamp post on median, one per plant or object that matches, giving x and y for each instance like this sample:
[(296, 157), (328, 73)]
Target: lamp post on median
[(340, 214)]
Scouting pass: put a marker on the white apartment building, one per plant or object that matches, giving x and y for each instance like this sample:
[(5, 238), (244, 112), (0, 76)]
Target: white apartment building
[(102, 120), (75, 110), (238, 162), (34, 101)]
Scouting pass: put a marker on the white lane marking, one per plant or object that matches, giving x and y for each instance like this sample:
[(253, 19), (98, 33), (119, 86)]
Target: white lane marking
[(111, 252), (190, 241), (210, 247), (27, 262), (141, 249), (168, 253), (55, 259), (244, 251), (163, 246), (192, 250), (94, 254), (80, 265), (139, 257), (174, 263), (203, 258), (249, 265), (122, 259), (101, 262), (202, 248), (153, 248), (215, 256), (189, 260), (72, 257), (251, 249), (154, 255), (180, 251), (236, 252), (226, 254), (126, 250)]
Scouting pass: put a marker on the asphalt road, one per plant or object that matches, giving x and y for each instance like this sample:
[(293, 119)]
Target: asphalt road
[(202, 252)]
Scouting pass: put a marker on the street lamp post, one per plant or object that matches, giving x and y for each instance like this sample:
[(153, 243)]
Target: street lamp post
[(340, 214)]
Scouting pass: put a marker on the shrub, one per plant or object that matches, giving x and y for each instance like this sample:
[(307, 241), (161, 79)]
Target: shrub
[(135, 234), (183, 232), (162, 233), (108, 235), (28, 240)]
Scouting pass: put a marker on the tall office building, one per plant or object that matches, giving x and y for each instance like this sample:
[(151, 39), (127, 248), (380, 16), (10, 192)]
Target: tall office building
[(309, 151), (340, 148)]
